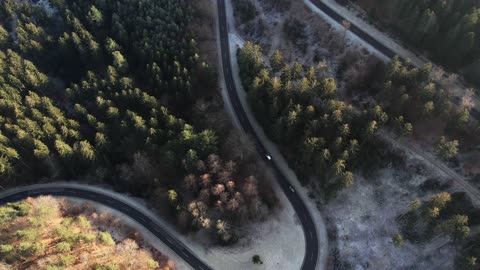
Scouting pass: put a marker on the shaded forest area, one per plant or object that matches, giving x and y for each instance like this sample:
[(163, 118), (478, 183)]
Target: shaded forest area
[(448, 30), (93, 90)]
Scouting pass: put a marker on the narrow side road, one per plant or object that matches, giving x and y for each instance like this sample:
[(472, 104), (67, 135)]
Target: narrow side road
[(354, 28), (308, 225), (412, 148), (77, 191), (380, 46)]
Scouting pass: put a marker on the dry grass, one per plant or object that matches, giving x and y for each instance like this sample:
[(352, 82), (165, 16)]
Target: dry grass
[(129, 251)]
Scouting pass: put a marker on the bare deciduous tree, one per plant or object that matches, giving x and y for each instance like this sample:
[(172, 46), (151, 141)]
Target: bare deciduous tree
[(190, 182), (214, 163), (204, 195), (230, 185), (205, 180), (218, 189), (233, 204), (467, 99)]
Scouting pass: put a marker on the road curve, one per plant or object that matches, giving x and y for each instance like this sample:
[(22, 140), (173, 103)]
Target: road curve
[(370, 39), (308, 225), (67, 190)]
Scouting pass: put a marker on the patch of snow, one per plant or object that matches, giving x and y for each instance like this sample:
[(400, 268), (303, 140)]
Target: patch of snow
[(456, 87), (279, 241), (47, 6), (350, 36), (363, 218), (281, 162), (236, 39)]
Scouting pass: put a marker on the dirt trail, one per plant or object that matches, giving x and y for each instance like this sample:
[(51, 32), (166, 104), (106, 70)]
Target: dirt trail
[(456, 87), (414, 149)]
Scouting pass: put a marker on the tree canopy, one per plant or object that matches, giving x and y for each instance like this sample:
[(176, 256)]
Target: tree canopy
[(301, 111), (448, 29), (94, 89)]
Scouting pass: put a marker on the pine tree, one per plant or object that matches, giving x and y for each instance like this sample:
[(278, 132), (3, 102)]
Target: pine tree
[(447, 149), (277, 60), (95, 16)]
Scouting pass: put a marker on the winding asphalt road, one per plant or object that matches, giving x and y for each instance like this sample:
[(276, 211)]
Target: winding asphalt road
[(308, 225), (370, 40), (133, 212)]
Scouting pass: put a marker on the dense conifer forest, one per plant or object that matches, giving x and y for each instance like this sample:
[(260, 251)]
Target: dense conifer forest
[(299, 109), (98, 91), (448, 30)]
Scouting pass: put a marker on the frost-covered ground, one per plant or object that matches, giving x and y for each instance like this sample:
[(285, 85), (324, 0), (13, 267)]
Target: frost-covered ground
[(279, 241), (351, 37), (46, 5), (236, 40), (455, 86), (352, 17), (362, 219)]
